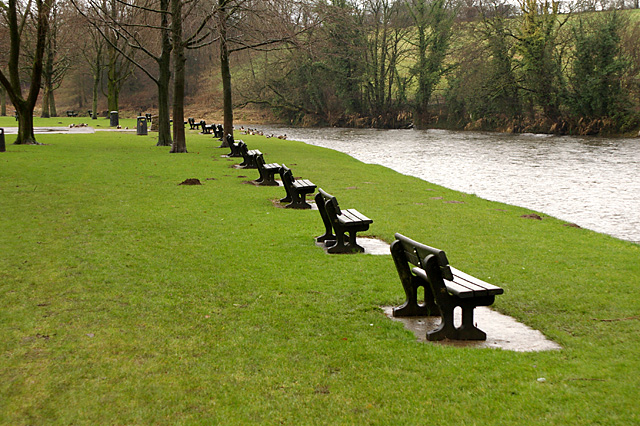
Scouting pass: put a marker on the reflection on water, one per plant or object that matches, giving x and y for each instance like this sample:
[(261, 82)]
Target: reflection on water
[(592, 182)]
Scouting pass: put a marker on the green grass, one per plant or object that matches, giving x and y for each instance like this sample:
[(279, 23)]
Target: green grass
[(126, 298)]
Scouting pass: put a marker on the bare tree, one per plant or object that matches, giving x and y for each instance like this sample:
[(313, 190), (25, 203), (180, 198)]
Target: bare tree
[(200, 36), (93, 54), (137, 33), (57, 59), (251, 24), (17, 21)]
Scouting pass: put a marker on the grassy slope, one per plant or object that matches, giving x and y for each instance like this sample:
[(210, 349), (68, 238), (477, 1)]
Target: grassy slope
[(128, 299)]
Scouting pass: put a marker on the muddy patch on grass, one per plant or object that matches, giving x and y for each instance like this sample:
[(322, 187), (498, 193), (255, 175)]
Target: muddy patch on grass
[(191, 181)]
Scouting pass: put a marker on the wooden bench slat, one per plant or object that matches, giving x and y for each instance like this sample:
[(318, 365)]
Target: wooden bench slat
[(356, 215), (303, 183), (490, 288), (462, 291)]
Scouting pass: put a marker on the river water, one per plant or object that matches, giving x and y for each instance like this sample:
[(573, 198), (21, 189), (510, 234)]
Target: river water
[(592, 182)]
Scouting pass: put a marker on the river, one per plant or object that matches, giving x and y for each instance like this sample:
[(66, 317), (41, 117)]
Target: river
[(592, 182)]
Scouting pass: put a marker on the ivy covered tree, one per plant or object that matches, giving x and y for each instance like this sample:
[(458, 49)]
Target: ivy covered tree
[(433, 21), (538, 45), (598, 67)]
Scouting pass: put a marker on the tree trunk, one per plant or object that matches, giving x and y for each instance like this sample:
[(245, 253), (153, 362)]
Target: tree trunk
[(3, 102), (179, 140), (113, 90), (45, 103), (225, 72), (26, 134), (96, 87), (164, 124), (52, 104), (164, 78)]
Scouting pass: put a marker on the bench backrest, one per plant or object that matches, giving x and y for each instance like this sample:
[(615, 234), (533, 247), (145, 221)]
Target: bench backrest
[(259, 161), (286, 175), (242, 148), (328, 202), (416, 253)]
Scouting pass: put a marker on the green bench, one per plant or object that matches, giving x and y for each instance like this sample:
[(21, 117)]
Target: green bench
[(445, 288), (348, 221)]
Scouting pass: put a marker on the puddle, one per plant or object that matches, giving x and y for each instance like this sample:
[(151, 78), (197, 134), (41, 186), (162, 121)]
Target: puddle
[(503, 331), (371, 245), (41, 130), (84, 129)]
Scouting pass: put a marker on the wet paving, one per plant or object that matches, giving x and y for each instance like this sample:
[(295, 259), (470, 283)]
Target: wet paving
[(503, 332), (59, 130), (371, 246)]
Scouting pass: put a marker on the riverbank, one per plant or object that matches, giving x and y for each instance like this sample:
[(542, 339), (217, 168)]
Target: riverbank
[(130, 299), (584, 180)]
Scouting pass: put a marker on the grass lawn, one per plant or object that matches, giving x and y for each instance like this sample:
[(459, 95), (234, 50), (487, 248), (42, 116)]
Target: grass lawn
[(127, 299)]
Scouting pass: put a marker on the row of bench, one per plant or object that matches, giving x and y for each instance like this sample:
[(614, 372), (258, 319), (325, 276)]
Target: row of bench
[(205, 128), (418, 265), (338, 223)]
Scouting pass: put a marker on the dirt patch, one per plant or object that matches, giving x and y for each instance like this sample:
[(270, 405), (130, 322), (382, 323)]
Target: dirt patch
[(531, 216), (191, 181), (572, 225), (276, 203)]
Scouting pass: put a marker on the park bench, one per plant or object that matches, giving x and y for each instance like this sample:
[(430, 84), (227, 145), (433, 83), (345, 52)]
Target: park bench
[(297, 189), (218, 131), (234, 147), (192, 123), (71, 113), (148, 116), (267, 171), (205, 130), (339, 221), (445, 288), (248, 155)]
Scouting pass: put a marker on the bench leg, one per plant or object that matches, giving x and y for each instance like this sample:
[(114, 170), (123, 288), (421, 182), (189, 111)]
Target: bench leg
[(339, 246), (267, 180), (328, 238), (447, 329), (468, 331), (298, 203), (353, 243), (411, 307)]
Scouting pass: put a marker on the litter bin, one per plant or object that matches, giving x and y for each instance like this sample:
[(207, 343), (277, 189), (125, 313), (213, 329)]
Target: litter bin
[(2, 147), (141, 128), (114, 119)]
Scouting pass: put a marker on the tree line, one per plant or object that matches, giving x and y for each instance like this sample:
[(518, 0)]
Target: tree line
[(118, 39), (532, 65)]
